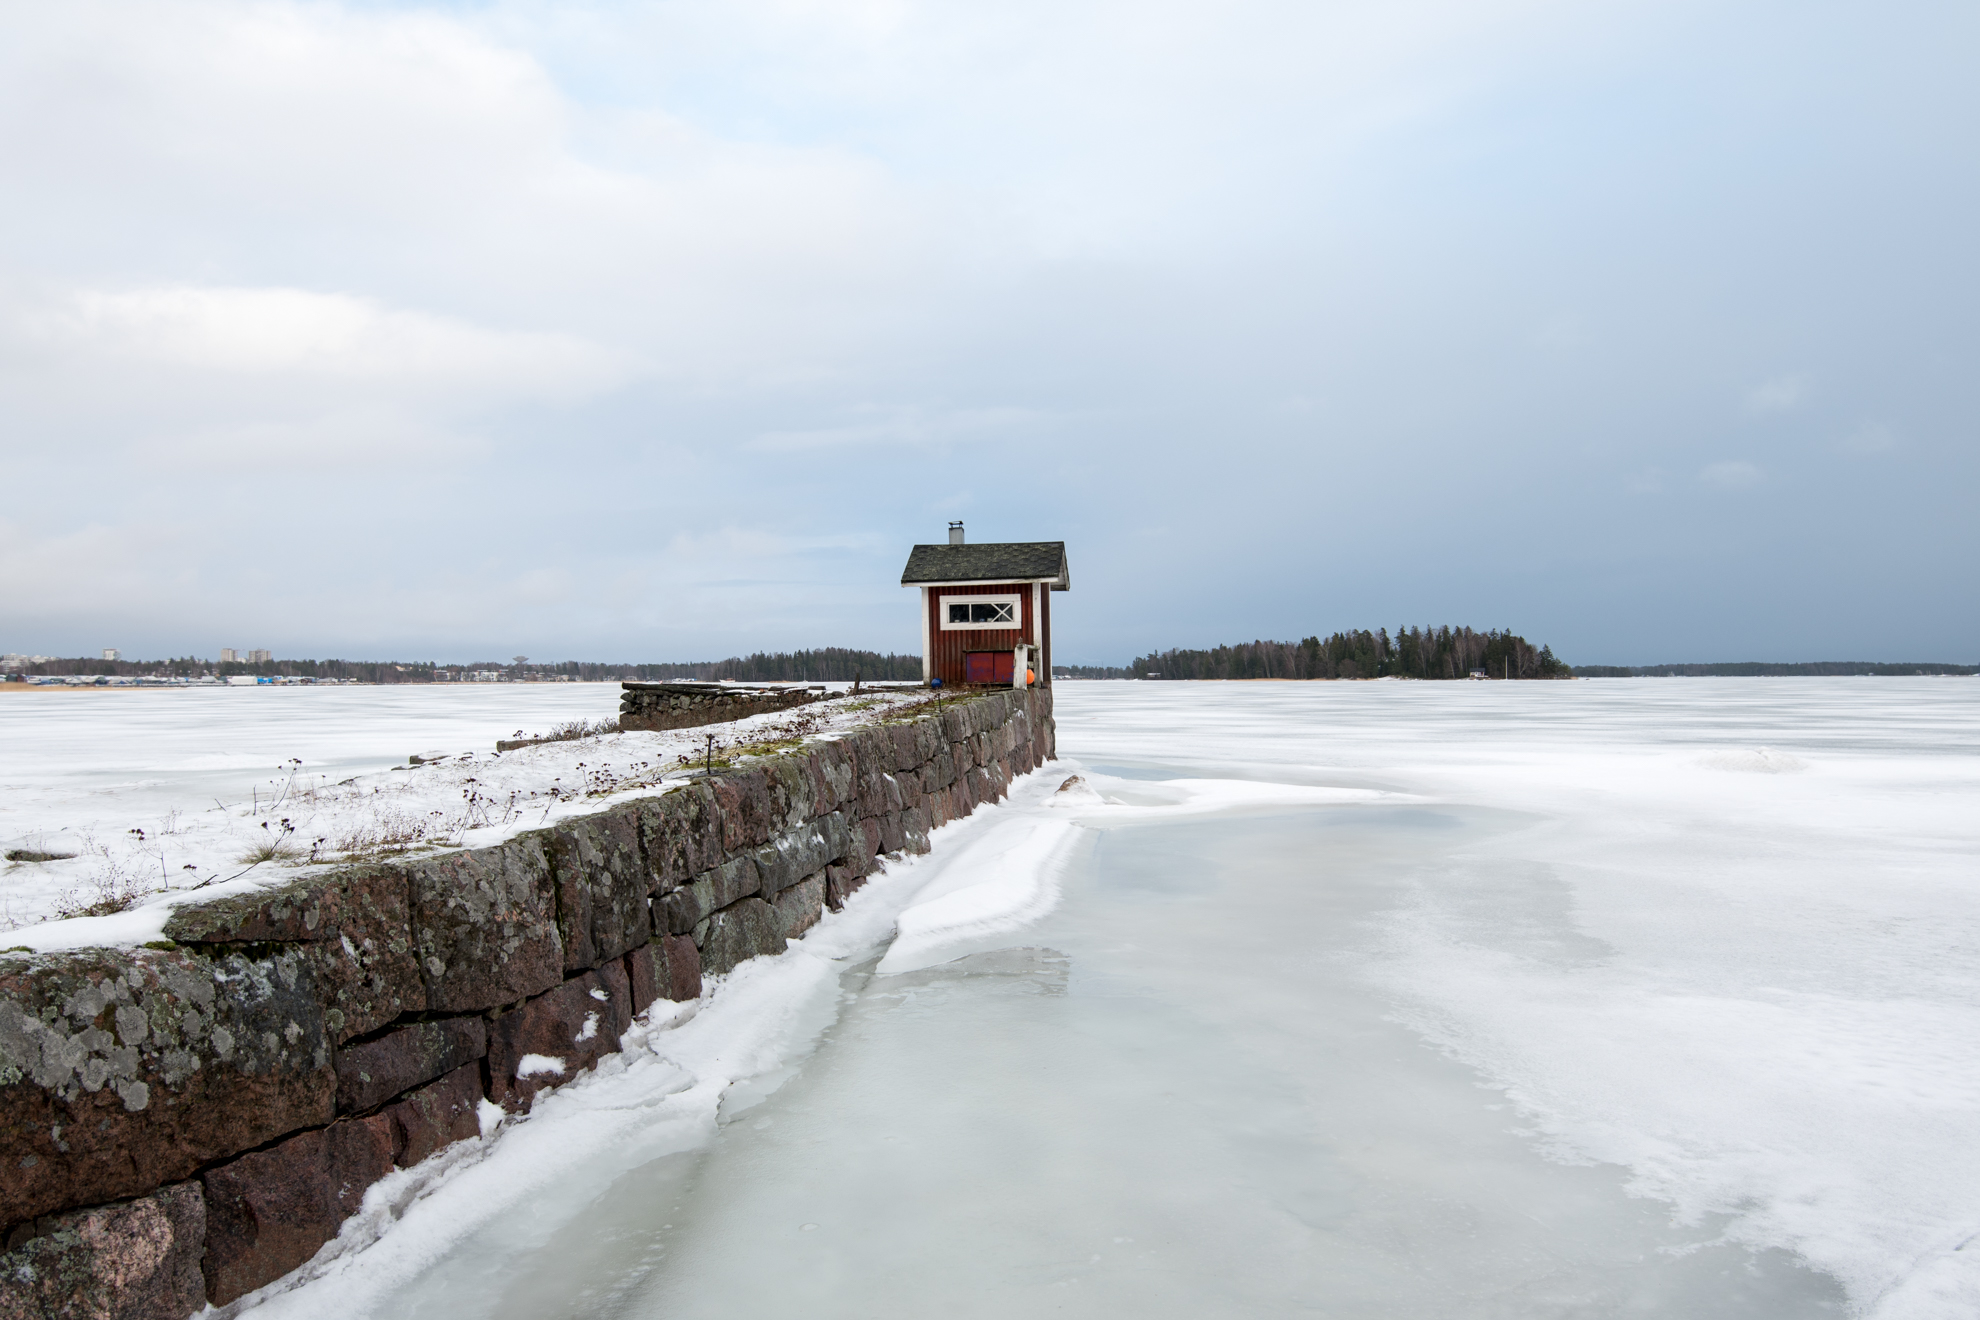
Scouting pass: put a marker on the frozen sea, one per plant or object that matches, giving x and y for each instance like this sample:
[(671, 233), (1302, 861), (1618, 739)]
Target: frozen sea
[(1609, 998)]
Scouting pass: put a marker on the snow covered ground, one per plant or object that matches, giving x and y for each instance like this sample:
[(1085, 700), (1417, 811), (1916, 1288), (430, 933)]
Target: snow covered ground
[(139, 795), (1631, 997)]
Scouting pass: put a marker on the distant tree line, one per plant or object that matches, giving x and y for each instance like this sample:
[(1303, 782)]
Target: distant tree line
[(1761, 669), (827, 664), (1432, 653), (361, 671), (1435, 653)]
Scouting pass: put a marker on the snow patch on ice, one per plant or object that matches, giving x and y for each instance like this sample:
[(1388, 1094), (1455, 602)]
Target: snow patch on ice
[(1008, 880), (1756, 761), (1121, 801), (1010, 877)]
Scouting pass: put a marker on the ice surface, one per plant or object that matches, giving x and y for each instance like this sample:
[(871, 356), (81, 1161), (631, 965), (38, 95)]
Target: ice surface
[(1637, 997), (1733, 945), (1176, 1103)]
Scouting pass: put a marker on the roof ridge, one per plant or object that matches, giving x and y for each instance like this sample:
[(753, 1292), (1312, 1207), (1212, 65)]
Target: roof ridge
[(989, 561)]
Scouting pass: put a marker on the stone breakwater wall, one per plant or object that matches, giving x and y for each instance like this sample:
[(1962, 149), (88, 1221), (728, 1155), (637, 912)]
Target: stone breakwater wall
[(186, 1122), (653, 706)]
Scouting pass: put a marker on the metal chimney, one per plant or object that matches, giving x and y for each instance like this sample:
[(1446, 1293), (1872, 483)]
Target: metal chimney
[(955, 533)]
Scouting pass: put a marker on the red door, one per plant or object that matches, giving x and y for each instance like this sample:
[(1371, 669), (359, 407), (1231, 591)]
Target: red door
[(987, 667)]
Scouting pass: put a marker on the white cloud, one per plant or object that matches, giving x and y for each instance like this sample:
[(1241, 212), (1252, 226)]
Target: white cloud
[(297, 333), (904, 426), (130, 572), (737, 197), (245, 569), (432, 168), (252, 114), (329, 438), (271, 379), (1781, 394), (1735, 475)]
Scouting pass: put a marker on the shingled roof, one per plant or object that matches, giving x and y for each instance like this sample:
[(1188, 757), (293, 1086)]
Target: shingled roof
[(1010, 561)]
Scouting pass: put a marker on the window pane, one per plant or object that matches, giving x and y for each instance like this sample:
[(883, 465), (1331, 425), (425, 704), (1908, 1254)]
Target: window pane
[(977, 612)]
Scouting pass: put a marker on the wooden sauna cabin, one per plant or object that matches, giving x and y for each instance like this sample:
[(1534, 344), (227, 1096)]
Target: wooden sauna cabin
[(986, 610)]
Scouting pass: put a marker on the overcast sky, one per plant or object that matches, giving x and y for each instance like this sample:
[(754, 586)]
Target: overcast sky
[(661, 331)]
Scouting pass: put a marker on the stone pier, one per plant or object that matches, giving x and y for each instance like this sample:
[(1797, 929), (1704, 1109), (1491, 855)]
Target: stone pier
[(187, 1122)]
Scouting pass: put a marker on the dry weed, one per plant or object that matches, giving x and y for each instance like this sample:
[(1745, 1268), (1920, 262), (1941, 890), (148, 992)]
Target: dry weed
[(274, 847), (111, 887), (387, 833)]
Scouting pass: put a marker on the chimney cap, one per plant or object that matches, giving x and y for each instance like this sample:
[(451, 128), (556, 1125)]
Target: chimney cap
[(956, 532)]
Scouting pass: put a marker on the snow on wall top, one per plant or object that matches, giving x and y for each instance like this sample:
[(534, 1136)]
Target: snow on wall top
[(96, 865)]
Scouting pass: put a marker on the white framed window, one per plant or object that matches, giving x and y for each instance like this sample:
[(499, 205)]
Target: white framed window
[(979, 613)]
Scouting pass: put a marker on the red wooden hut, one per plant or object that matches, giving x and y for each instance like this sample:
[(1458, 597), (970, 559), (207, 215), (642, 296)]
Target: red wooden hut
[(986, 610)]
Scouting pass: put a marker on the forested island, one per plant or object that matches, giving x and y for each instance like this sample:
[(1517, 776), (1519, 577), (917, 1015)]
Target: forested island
[(1430, 653)]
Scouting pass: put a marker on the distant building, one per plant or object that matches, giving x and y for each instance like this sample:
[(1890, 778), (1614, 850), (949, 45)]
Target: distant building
[(260, 657), (229, 656), (111, 653), (1478, 674), (986, 610)]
